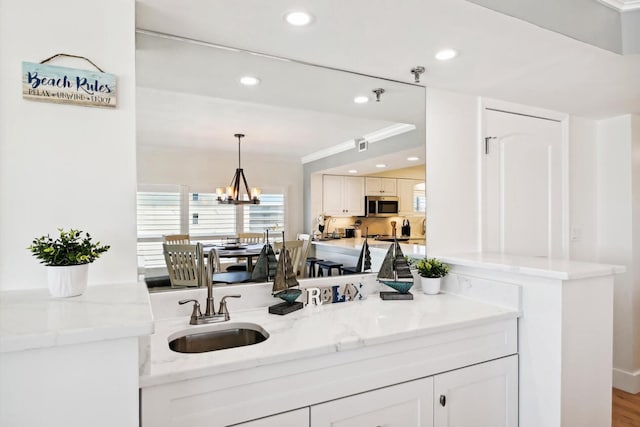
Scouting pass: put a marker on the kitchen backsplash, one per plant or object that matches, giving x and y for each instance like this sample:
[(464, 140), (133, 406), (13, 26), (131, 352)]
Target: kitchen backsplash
[(377, 225)]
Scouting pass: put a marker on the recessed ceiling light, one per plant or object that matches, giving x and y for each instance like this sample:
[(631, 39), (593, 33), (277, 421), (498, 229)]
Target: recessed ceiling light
[(381, 165), (298, 19), (446, 54), (353, 171), (249, 80), (361, 99), (413, 158)]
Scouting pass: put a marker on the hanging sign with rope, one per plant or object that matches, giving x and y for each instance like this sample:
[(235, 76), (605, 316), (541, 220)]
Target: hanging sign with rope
[(50, 83)]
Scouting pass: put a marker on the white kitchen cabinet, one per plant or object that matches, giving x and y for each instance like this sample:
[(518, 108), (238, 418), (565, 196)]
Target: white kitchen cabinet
[(403, 405), (297, 418), (343, 195), (376, 186), (483, 395), (406, 189)]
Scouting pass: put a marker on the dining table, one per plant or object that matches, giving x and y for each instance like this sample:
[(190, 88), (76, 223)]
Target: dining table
[(242, 250)]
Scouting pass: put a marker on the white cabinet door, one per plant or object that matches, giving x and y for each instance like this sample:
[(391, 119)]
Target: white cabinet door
[(298, 418), (484, 395), (388, 186), (353, 195), (343, 195), (376, 186), (403, 405), (332, 189)]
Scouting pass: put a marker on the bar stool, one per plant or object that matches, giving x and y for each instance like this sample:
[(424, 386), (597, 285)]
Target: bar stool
[(350, 270), (329, 266), (311, 263)]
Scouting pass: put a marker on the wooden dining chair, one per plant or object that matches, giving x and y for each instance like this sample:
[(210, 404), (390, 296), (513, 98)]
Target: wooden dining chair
[(176, 239), (251, 238), (294, 247), (183, 264)]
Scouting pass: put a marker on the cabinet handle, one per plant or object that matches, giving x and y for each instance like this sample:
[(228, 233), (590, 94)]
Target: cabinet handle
[(443, 399)]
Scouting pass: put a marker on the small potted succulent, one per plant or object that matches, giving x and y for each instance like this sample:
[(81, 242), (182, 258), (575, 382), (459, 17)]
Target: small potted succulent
[(431, 272), (67, 257)]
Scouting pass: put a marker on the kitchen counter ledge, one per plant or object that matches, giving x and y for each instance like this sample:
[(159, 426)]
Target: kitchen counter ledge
[(32, 319), (317, 331)]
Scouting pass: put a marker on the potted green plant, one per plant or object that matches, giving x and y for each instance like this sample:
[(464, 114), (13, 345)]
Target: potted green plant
[(67, 258), (431, 272)]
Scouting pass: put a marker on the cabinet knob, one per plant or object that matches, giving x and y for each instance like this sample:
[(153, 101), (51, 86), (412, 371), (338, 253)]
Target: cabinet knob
[(443, 399)]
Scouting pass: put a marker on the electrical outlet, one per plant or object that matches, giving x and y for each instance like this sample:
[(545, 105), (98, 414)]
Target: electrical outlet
[(576, 233)]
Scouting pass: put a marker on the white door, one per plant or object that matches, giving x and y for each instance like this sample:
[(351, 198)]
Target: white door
[(403, 405), (522, 194), (298, 418), (484, 395)]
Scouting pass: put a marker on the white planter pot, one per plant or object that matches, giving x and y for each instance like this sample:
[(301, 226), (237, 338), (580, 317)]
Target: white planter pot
[(430, 285), (68, 280)]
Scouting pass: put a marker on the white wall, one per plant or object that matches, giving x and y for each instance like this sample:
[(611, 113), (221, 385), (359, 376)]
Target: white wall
[(66, 165), (618, 220), (582, 189), (203, 171), (452, 172)]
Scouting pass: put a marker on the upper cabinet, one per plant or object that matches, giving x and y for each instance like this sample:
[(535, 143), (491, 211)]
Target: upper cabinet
[(411, 196), (376, 186), (343, 195)]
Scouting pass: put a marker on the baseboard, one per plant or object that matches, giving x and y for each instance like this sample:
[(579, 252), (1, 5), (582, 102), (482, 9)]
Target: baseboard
[(626, 381)]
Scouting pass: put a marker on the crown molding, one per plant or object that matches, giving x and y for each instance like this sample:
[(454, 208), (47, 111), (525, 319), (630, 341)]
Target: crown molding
[(375, 136), (622, 5)]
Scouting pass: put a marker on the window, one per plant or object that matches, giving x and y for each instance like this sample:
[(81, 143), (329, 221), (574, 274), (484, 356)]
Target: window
[(269, 214), (158, 213), (212, 219), (165, 210), (419, 199)]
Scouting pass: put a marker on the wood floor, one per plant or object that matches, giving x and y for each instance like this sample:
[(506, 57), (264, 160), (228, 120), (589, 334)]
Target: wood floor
[(626, 409)]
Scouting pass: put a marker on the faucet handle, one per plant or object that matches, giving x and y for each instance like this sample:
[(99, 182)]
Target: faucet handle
[(196, 313), (223, 306)]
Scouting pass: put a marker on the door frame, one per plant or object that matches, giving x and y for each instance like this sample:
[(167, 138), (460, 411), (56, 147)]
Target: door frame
[(525, 110)]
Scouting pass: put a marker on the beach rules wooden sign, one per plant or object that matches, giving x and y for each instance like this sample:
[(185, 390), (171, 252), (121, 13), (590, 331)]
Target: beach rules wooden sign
[(50, 83)]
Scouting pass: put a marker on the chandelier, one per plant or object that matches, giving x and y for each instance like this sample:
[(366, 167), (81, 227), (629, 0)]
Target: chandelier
[(233, 194)]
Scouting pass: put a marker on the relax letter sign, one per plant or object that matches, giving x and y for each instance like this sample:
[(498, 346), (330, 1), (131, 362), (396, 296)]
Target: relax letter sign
[(42, 82)]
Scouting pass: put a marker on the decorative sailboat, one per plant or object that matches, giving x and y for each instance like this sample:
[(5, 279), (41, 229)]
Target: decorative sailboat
[(364, 260), (285, 285), (395, 273), (266, 265)]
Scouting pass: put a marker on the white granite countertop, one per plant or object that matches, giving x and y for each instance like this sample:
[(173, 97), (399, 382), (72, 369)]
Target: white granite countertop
[(316, 331), (532, 266), (355, 244), (33, 319)]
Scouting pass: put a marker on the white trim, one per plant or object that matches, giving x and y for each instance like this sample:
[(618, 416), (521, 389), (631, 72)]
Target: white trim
[(480, 126), (622, 5), (375, 136), (563, 118), (626, 381)]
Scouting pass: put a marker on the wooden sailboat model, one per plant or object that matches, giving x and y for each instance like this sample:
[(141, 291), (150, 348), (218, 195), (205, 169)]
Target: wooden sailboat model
[(395, 273), (266, 265), (285, 285), (364, 260)]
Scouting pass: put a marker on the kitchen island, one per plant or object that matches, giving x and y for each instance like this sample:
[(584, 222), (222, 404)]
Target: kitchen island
[(346, 251)]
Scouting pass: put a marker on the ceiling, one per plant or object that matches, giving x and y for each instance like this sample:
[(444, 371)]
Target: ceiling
[(189, 96), (500, 57)]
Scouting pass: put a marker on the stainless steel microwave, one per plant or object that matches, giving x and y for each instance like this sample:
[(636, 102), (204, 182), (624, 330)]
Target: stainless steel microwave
[(380, 206)]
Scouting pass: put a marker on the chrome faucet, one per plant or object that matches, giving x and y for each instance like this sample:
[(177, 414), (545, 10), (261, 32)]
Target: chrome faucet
[(210, 316)]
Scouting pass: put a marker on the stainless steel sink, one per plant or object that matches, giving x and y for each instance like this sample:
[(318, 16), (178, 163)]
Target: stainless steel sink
[(217, 337)]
